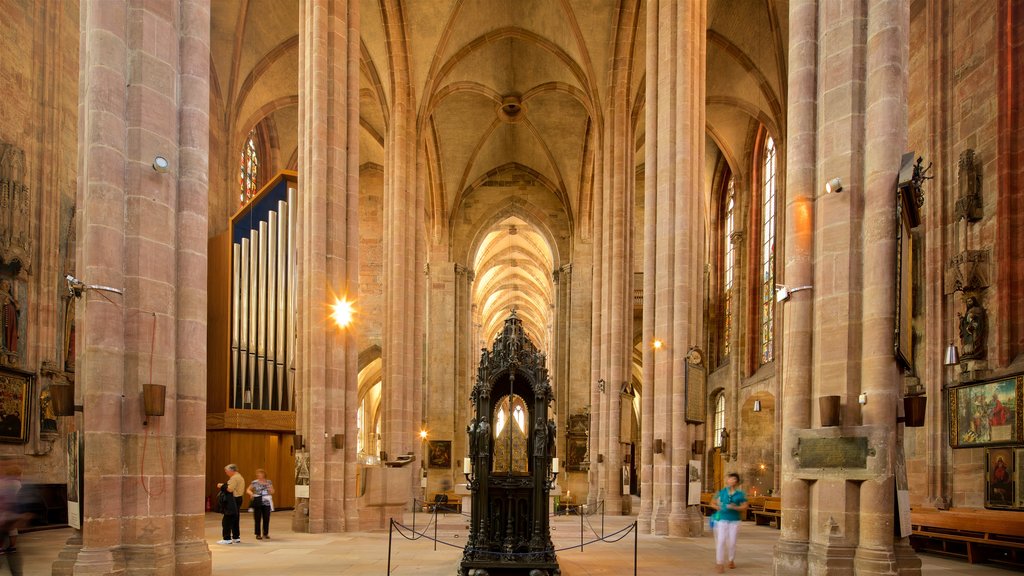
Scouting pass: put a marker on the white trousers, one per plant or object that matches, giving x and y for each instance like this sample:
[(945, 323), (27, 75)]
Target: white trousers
[(725, 540)]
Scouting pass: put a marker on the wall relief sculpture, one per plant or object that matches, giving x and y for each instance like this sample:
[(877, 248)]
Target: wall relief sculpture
[(15, 208), (968, 204), (973, 330)]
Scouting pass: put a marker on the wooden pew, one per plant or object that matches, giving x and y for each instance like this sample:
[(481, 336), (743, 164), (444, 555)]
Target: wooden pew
[(705, 503), (978, 535), (770, 513)]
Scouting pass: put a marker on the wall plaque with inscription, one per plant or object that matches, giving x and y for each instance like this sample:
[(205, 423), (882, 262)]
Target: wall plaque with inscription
[(833, 452)]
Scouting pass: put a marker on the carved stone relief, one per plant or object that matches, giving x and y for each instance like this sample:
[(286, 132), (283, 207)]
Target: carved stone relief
[(15, 208), (968, 204)]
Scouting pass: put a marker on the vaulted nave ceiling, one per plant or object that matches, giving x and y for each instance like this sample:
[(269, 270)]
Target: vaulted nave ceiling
[(497, 85)]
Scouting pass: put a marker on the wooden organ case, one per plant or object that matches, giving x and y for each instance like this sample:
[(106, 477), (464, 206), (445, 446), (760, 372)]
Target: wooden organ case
[(511, 444), (250, 417)]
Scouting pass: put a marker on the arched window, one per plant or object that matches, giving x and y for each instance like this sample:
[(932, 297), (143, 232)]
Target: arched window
[(728, 262), (248, 169), (719, 420), (768, 252)]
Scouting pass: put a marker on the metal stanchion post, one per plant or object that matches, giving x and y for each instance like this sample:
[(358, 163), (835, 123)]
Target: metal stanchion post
[(391, 531), (435, 528), (635, 538), (602, 519), (580, 512), (415, 505)]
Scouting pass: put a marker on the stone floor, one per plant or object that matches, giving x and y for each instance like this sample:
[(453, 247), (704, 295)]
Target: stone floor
[(366, 553)]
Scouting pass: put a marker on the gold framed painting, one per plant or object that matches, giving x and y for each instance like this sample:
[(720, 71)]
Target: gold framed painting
[(440, 454), (15, 386), (999, 478), (989, 413)]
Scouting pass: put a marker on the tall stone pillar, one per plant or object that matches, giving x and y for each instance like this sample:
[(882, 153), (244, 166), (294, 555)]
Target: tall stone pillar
[(327, 256), (676, 60), (801, 157), (847, 119), (614, 235), (144, 92), (444, 394), (404, 252)]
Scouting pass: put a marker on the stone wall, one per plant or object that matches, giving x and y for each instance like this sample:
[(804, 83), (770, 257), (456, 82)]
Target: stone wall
[(953, 107), (39, 119)]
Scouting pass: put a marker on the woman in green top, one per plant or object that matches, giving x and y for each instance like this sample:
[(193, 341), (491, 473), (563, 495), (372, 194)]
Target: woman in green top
[(729, 502)]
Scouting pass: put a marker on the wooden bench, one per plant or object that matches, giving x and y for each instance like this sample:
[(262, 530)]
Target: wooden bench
[(770, 513), (978, 535), (445, 502), (705, 503)]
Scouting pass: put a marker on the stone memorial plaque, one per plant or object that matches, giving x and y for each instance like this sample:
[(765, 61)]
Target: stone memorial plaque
[(833, 452)]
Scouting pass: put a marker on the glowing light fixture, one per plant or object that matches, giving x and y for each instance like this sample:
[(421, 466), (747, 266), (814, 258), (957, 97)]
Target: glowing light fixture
[(423, 434), (342, 312), (657, 344), (834, 186)]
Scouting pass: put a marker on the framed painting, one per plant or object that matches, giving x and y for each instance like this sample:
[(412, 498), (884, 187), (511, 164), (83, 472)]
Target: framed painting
[(15, 387), (908, 217), (986, 413), (440, 454), (576, 456), (999, 478)]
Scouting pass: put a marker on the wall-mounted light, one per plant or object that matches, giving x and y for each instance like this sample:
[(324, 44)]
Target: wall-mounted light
[(341, 312), (757, 405), (423, 434), (862, 398), (834, 186), (952, 356), (338, 441), (161, 165), (657, 344), (782, 293), (62, 399), (659, 446)]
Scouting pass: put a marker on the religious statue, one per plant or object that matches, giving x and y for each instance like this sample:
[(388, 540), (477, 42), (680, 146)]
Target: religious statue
[(973, 330), (9, 314)]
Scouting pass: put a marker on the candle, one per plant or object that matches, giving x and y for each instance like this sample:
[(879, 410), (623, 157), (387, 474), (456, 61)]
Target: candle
[(554, 465), (467, 466)]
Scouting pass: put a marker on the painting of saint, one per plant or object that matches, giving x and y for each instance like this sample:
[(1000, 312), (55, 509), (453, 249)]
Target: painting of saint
[(1000, 478), (440, 454), (986, 413)]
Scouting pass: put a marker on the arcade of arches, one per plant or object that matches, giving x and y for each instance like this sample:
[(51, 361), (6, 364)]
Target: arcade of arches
[(642, 181)]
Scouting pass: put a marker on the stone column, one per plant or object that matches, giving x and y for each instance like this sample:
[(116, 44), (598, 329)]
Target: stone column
[(442, 387), (847, 121), (795, 406), (403, 264), (885, 141), (675, 182), (327, 258), (144, 92)]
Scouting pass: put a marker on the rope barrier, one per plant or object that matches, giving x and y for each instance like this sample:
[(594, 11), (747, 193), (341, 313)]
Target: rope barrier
[(411, 534)]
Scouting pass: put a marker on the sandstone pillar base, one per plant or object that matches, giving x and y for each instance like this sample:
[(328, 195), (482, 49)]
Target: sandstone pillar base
[(830, 560), (661, 523), (192, 558), (906, 559), (790, 558), (300, 517), (678, 524), (870, 561), (99, 561), (65, 563)]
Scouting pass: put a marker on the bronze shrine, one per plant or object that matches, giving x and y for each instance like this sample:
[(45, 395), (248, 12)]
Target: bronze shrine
[(511, 446)]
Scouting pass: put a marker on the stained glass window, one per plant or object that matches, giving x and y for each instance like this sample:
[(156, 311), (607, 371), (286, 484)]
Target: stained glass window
[(768, 252), (727, 267), (719, 420), (248, 169)]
